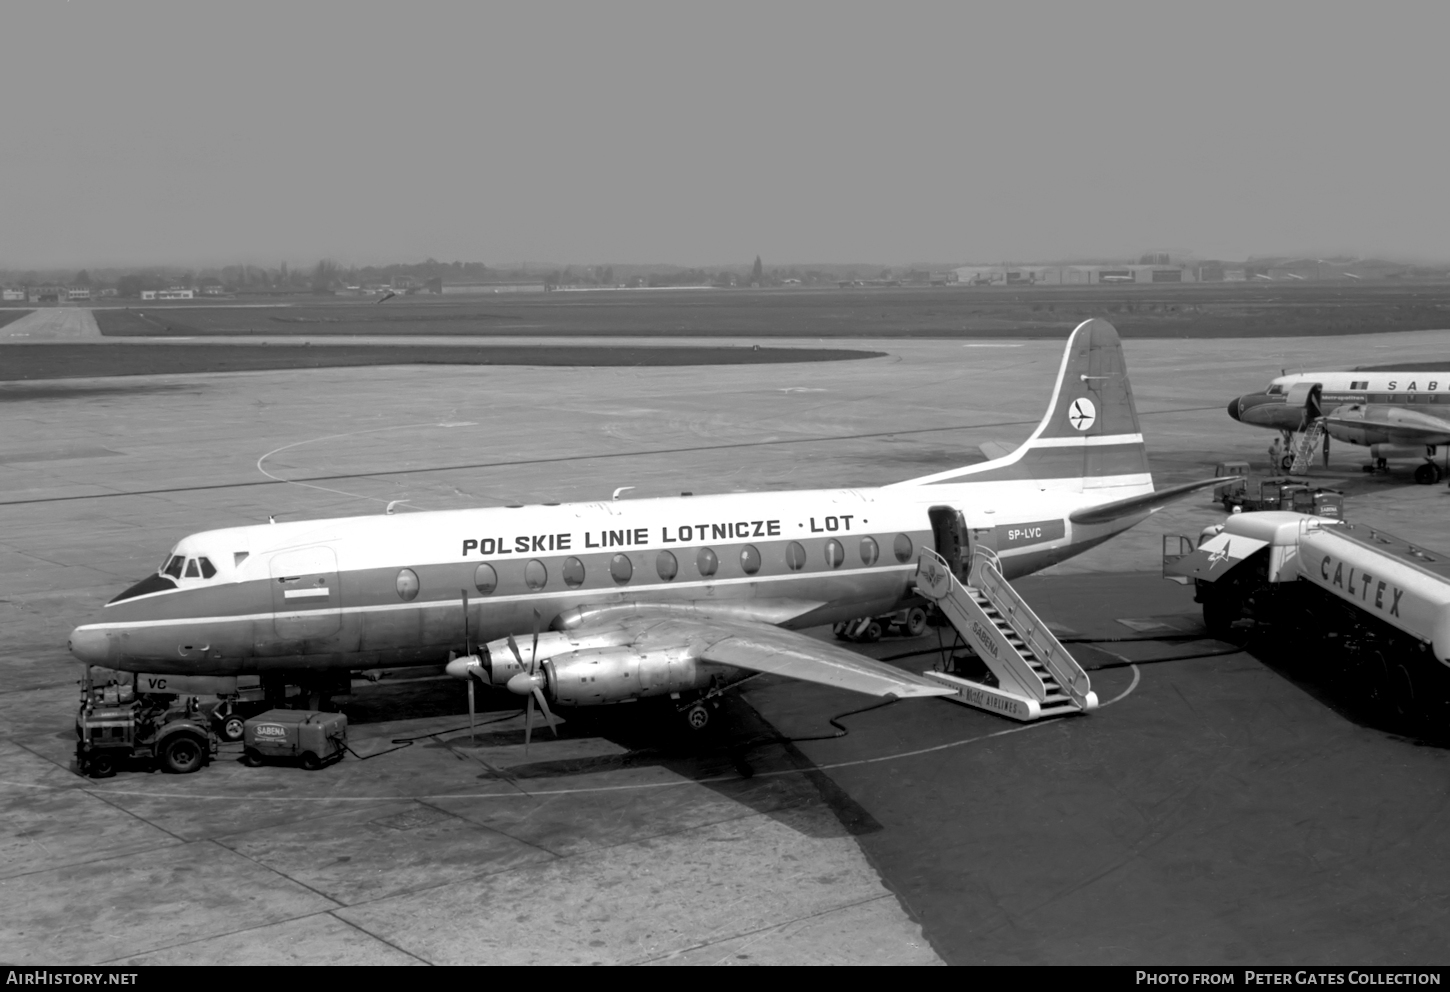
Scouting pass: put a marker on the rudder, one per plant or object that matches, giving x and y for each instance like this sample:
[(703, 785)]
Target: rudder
[(1090, 436)]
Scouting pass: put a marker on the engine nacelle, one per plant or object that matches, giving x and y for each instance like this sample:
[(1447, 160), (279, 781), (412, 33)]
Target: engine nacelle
[(1378, 423), (505, 666), (597, 676)]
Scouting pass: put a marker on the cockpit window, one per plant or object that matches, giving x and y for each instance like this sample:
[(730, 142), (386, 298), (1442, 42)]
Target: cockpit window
[(207, 568), (173, 567), (1275, 389), (148, 585), (192, 572)]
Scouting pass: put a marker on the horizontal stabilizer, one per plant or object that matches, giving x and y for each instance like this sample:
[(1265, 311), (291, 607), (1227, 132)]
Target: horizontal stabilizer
[(1105, 513)]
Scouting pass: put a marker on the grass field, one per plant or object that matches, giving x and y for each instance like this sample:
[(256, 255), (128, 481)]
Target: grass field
[(1189, 311), (70, 361)]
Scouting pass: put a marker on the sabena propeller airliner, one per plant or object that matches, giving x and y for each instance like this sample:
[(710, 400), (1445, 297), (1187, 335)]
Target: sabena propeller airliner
[(675, 596), (1404, 414)]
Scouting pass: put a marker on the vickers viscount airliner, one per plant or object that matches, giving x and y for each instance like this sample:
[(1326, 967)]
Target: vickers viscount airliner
[(646, 597)]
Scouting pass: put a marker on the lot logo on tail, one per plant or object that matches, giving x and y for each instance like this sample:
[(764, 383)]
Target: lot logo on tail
[(1082, 414)]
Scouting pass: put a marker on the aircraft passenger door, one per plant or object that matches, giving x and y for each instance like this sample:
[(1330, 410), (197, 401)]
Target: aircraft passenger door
[(949, 531), (306, 597), (1306, 396)]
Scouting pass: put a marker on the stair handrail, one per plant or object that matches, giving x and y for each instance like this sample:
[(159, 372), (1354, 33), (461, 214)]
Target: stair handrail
[(1304, 454), (987, 575)]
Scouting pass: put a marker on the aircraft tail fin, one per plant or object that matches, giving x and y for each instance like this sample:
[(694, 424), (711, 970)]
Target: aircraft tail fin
[(1089, 438)]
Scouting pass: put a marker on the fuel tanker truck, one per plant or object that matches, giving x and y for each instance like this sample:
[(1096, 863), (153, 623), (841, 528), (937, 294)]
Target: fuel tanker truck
[(1331, 593)]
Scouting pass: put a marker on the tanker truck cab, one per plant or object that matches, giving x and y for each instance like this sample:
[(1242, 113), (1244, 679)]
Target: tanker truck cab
[(1333, 593)]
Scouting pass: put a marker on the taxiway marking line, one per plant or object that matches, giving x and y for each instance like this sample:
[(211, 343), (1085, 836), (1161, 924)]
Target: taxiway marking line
[(718, 779)]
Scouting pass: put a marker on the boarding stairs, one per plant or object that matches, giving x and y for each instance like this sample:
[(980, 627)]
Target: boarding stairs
[(1036, 676), (1304, 453)]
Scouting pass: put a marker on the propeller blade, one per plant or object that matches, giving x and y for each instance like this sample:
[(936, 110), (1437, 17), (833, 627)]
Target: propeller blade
[(528, 722), (467, 640), (534, 654), (1326, 449), (472, 733), (514, 647), (544, 705)]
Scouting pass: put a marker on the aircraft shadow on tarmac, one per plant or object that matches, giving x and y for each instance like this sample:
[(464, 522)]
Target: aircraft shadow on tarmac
[(724, 757)]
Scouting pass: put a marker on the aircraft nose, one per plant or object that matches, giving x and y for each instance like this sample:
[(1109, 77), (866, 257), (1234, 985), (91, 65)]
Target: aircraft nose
[(90, 646), (1233, 407)]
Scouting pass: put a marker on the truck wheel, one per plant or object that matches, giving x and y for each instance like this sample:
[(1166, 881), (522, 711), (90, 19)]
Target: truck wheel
[(1426, 474), (232, 729), (1219, 613), (310, 761), (915, 622), (101, 765), (183, 754), (252, 758)]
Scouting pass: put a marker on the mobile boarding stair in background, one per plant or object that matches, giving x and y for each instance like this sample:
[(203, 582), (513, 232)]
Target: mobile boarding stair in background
[(1036, 677), (1304, 453)]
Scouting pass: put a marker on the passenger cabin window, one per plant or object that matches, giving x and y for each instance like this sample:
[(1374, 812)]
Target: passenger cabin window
[(408, 585), (870, 551), (621, 568), (902, 548), (667, 566), (706, 562), (795, 556), (750, 559), (835, 554), (485, 579), (573, 572), (535, 574), (207, 568)]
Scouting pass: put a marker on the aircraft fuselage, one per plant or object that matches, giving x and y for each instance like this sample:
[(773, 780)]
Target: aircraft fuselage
[(365, 592)]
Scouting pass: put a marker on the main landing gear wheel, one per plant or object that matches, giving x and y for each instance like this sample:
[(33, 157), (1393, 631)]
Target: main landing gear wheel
[(697, 717), (1427, 474), (1286, 463)]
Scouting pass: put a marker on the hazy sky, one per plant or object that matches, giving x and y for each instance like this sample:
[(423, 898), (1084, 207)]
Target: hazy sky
[(709, 133)]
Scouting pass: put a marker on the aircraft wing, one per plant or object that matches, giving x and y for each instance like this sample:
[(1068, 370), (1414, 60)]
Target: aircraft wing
[(1406, 427), (1107, 512), (760, 647)]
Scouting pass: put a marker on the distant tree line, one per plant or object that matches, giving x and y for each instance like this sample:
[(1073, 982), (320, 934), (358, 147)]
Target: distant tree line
[(328, 276)]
